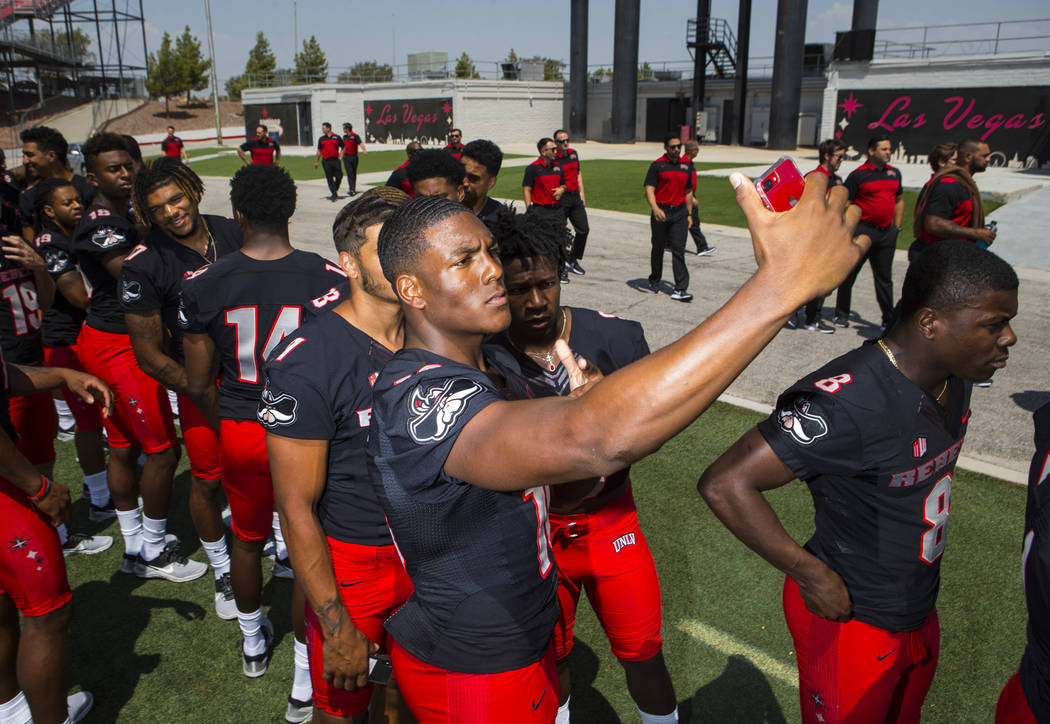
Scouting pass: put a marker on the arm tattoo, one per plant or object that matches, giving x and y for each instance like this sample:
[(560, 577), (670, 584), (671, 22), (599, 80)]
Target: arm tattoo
[(331, 615)]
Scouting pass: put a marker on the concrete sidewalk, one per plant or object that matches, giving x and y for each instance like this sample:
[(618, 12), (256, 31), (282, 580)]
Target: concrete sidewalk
[(1000, 433)]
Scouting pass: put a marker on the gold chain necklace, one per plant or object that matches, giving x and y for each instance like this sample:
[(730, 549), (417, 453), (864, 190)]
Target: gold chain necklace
[(548, 357), (210, 247), (893, 361)]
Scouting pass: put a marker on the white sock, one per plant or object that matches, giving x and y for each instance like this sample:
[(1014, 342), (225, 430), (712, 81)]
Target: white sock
[(173, 400), (98, 487), (251, 629), (280, 549), (66, 421), (63, 534), (671, 718), (16, 711), (563, 713), (302, 688), (152, 536), (218, 556), (131, 528)]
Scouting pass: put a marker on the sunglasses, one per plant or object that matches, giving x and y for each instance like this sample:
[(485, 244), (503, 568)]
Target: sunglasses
[(674, 148), (550, 148), (562, 140)]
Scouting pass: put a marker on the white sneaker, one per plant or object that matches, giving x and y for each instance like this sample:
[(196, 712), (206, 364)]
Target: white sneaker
[(170, 565), (82, 544), (127, 565), (282, 568), (255, 666), (225, 605), (298, 711), (79, 705)]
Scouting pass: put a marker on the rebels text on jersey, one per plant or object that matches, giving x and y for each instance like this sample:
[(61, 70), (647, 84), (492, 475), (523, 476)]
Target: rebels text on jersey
[(485, 587), (247, 306), (878, 454), (102, 232), (1034, 672), (62, 321), (319, 387), (20, 316), (151, 277), (606, 341)]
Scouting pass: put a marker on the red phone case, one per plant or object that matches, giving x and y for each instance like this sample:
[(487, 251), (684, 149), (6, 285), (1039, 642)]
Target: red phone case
[(781, 186)]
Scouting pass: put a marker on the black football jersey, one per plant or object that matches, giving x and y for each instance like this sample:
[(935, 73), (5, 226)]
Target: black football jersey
[(151, 277), (27, 199), (484, 599), (5, 415), (20, 315), (319, 387), (607, 341), (63, 320), (878, 454), (99, 233), (1035, 663), (247, 306)]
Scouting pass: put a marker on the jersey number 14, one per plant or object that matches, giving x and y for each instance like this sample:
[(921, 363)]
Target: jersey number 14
[(245, 321)]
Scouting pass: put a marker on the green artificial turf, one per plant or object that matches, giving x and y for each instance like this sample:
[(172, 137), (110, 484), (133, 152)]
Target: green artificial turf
[(302, 167), (154, 650)]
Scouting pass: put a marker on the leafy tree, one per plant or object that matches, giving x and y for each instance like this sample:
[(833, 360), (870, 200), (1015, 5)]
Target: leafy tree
[(645, 72), (368, 71), (602, 74), (465, 67), (258, 71), (192, 67), (81, 42), (551, 68), (311, 66), (162, 73), (512, 57)]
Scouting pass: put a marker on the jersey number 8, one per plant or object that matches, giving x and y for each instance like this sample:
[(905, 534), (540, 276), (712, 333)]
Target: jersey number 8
[(935, 512)]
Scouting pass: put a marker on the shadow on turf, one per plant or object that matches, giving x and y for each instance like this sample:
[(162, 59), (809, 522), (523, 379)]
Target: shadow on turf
[(740, 694), (587, 705)]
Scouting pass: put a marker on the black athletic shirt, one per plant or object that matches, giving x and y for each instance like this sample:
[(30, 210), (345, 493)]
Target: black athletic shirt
[(949, 200), (607, 341), (485, 586), (247, 306), (329, 146), (490, 211), (99, 233), (151, 277), (399, 180), (63, 320), (542, 178), (319, 387), (262, 150), (171, 146), (27, 199), (20, 316), (570, 168), (878, 455), (1035, 663)]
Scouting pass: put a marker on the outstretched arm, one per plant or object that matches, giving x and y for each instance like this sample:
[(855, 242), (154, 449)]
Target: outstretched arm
[(631, 413), (30, 379), (732, 487)]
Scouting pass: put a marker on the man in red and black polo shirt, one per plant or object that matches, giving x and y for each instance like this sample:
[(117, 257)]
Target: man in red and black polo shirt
[(455, 142), (329, 154), (172, 146), (832, 151), (352, 143), (667, 185), (950, 206), (875, 187), (399, 176), (264, 150), (574, 199), (543, 184)]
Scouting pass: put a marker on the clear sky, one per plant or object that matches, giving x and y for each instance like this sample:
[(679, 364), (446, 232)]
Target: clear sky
[(350, 31)]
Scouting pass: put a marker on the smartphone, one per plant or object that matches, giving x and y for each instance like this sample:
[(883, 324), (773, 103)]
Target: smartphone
[(781, 186), (380, 668)]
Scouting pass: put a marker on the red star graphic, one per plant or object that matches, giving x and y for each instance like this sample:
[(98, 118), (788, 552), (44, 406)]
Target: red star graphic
[(850, 106), (446, 108), (368, 109), (838, 134)]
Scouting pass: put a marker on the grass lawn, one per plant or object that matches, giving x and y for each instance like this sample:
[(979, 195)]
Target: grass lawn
[(617, 186), (154, 650), (302, 167)]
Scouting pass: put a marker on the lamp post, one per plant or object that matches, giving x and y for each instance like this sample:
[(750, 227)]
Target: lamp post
[(214, 75)]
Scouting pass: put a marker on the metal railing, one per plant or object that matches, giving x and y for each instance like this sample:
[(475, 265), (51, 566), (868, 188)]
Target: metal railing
[(992, 38)]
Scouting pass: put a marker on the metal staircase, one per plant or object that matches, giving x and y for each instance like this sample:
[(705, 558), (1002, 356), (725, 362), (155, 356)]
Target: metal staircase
[(719, 48)]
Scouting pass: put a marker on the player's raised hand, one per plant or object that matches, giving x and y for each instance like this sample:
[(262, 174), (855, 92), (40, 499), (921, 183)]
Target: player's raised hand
[(582, 373), (825, 594), (809, 250)]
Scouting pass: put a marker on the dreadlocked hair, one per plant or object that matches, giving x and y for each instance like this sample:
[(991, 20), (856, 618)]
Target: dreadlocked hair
[(528, 237), (160, 172), (402, 240), (373, 207), (44, 191)]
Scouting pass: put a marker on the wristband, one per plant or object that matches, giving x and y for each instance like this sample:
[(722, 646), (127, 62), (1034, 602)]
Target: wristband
[(45, 488)]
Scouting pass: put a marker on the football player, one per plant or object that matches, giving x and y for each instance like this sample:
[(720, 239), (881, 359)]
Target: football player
[(316, 413), (234, 313), (141, 419), (462, 454), (875, 434), (597, 543), (166, 198)]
